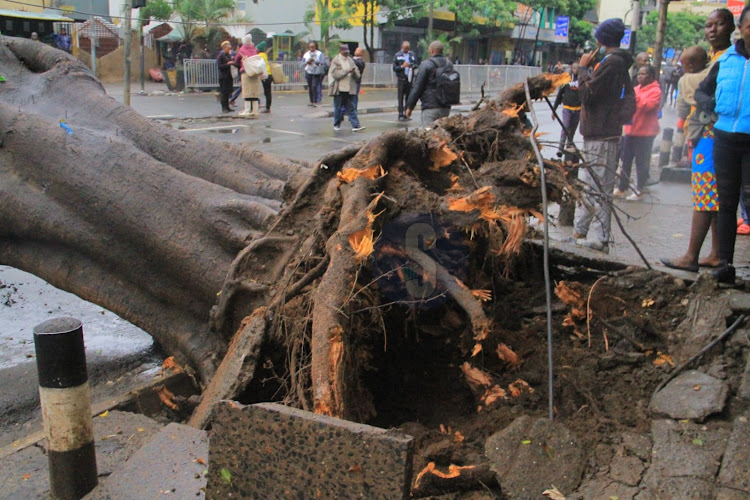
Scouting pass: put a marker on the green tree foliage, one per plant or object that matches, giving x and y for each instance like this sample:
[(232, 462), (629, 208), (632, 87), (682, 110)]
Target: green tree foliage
[(160, 10), (329, 14), (580, 33), (391, 9), (498, 11), (683, 30)]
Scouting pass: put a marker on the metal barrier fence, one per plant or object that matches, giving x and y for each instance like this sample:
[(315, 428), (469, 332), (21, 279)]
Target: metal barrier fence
[(203, 73)]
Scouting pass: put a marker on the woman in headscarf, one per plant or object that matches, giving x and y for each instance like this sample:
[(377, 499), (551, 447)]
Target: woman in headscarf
[(718, 30), (250, 84), (261, 47), (225, 63)]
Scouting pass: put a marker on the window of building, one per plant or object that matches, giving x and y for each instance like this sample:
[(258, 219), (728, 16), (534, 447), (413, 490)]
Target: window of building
[(40, 27), (241, 5), (26, 26), (8, 26)]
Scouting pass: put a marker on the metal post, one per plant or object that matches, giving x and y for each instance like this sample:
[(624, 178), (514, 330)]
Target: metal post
[(66, 407), (143, 57), (93, 51), (128, 25), (666, 147), (635, 25)]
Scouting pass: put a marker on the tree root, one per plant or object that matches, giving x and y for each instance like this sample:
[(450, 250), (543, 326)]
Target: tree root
[(432, 482)]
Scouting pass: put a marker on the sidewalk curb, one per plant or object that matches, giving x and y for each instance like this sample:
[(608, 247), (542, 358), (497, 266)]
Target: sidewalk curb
[(676, 174)]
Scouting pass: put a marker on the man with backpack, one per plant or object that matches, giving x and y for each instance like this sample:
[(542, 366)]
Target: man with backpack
[(438, 86), (607, 103)]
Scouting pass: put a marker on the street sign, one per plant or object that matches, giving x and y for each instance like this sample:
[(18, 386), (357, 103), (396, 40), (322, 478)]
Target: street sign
[(562, 25), (736, 6), (625, 43)]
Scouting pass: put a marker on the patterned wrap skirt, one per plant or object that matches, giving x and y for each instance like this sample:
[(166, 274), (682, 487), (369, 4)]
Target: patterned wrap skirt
[(705, 195)]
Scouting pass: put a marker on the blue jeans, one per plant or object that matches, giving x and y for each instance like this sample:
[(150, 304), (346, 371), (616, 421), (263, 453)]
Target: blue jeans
[(355, 98), (344, 100)]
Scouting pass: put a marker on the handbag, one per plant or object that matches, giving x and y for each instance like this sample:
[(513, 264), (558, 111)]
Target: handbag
[(254, 66), (234, 71)]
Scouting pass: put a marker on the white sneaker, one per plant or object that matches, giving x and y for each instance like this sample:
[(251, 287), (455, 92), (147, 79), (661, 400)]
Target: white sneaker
[(336, 127), (635, 197), (618, 194), (593, 245), (357, 129)]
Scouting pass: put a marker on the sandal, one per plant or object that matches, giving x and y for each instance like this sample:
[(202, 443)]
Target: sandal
[(670, 264)]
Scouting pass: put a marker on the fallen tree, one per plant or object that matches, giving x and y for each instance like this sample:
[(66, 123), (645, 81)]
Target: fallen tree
[(213, 249)]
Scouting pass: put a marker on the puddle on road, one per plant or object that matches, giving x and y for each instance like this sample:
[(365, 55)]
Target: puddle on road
[(223, 131)]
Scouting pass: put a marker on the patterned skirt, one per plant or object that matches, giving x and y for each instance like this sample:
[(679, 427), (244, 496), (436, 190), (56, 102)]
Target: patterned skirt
[(705, 195)]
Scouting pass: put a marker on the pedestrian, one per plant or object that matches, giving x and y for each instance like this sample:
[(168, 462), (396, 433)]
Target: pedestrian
[(607, 103), (570, 98), (557, 69), (251, 85), (63, 41), (268, 82), (34, 36), (640, 134), (225, 63), (726, 92), (404, 64), (642, 59), (359, 60), (425, 87), (343, 77), (314, 64), (718, 30)]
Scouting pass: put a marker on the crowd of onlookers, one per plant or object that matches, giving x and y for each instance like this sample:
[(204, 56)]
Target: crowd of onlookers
[(60, 40), (619, 102)]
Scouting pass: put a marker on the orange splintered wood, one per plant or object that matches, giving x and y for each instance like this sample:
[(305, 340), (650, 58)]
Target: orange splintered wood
[(442, 156), (166, 397), (513, 111), (475, 376), (571, 294), (507, 354), (493, 394), (514, 222), (519, 387), (372, 172), (557, 81), (453, 471), (482, 200), (363, 241)]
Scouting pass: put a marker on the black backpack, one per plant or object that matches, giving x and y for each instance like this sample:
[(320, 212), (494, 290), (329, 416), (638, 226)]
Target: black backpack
[(447, 84)]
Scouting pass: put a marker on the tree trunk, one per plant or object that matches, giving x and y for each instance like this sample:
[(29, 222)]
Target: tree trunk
[(194, 240), (124, 213)]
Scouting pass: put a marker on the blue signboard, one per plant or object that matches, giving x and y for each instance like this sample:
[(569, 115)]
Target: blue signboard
[(562, 25), (625, 43)]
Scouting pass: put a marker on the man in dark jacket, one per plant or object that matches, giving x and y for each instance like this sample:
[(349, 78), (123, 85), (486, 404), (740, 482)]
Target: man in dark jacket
[(570, 99), (605, 90), (425, 88), (404, 65)]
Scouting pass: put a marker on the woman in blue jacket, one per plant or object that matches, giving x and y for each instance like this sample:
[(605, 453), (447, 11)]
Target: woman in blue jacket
[(726, 91)]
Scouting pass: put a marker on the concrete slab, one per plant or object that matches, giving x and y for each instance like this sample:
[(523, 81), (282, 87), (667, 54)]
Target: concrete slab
[(168, 465), (273, 451), (691, 395), (735, 472), (531, 455), (603, 488)]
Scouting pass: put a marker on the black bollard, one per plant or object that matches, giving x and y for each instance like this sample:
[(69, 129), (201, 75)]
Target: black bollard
[(666, 147), (66, 407)]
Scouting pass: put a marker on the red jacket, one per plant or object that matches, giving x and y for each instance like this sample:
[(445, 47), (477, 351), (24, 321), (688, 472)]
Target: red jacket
[(646, 118)]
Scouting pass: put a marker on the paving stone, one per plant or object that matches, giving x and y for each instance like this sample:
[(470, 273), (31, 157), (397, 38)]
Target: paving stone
[(739, 301), (168, 465), (24, 474), (684, 461), (637, 444), (272, 451), (745, 383), (604, 488), (730, 494), (735, 468), (691, 395), (531, 455), (626, 470)]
